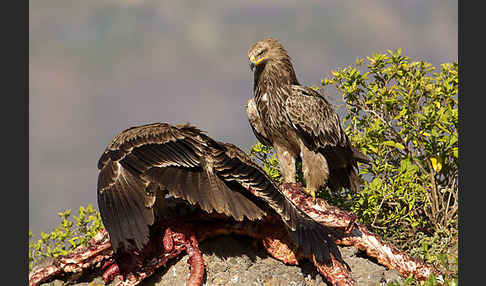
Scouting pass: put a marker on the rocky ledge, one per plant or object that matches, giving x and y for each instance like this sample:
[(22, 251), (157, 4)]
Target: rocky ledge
[(242, 261)]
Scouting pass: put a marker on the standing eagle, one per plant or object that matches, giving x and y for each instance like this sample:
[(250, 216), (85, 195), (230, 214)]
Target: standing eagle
[(298, 121), (143, 164)]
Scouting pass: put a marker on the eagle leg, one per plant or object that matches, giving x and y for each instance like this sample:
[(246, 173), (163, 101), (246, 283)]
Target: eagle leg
[(314, 169), (286, 161)]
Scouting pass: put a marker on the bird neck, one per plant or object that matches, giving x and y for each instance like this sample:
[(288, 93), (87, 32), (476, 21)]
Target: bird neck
[(274, 74)]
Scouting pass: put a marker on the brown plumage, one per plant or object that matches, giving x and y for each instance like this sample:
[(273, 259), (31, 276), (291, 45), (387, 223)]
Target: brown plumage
[(142, 164), (298, 121)]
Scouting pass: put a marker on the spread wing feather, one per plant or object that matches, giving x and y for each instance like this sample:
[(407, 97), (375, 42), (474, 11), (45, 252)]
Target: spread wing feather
[(121, 200), (142, 159), (186, 163)]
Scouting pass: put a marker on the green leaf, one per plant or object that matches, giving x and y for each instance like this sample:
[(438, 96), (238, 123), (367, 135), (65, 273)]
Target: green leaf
[(394, 144), (409, 280), (372, 148), (431, 281)]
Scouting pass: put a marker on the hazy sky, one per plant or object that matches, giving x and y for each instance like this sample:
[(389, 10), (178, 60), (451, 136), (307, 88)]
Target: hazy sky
[(98, 67)]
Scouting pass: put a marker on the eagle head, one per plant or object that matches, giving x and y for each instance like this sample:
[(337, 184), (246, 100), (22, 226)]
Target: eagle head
[(269, 59), (264, 51)]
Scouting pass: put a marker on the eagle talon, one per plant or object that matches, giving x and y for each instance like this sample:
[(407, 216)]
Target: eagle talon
[(312, 193)]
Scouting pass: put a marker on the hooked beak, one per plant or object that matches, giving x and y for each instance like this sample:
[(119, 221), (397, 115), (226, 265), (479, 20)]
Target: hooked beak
[(252, 66), (252, 63)]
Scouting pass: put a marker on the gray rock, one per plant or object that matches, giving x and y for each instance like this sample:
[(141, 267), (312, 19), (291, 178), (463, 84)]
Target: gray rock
[(393, 275), (239, 261)]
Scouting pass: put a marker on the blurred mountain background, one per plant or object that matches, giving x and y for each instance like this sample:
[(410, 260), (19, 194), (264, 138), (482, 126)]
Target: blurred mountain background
[(99, 67)]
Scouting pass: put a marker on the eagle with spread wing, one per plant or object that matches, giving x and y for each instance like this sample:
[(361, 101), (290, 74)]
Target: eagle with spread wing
[(298, 121), (144, 164)]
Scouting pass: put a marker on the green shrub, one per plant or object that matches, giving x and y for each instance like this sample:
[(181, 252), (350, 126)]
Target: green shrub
[(267, 158), (403, 114), (72, 232)]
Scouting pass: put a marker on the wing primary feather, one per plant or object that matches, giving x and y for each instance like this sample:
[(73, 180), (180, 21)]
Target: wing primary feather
[(106, 211), (200, 190), (125, 215), (122, 207), (118, 230), (138, 216), (132, 214)]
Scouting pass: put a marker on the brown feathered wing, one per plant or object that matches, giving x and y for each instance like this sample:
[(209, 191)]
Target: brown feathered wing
[(318, 125), (142, 162), (256, 123)]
